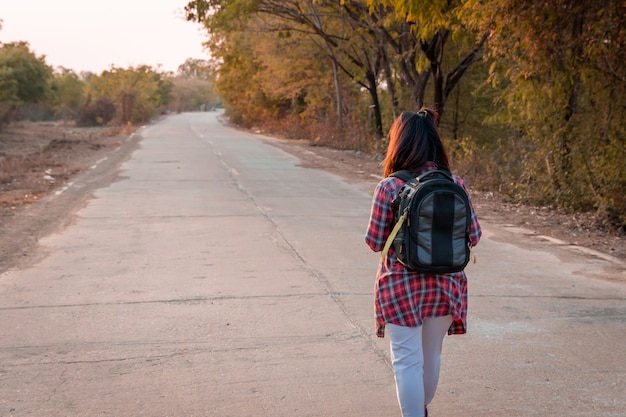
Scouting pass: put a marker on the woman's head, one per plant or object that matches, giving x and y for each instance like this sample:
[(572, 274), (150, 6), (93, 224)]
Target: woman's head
[(413, 141)]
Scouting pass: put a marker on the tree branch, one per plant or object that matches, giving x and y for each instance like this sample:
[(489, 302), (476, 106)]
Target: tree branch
[(453, 77)]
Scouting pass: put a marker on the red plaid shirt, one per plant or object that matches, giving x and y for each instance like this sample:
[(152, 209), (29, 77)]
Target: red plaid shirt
[(404, 297)]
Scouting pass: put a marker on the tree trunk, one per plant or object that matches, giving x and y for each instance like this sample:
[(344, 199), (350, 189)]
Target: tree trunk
[(391, 87), (338, 95), (419, 89), (373, 90), (455, 115), (329, 50), (434, 53), (566, 166)]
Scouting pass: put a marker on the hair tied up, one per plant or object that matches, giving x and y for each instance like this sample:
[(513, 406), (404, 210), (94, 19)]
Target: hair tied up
[(422, 113)]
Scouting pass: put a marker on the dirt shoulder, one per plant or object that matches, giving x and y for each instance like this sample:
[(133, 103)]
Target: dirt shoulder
[(39, 160), (47, 172)]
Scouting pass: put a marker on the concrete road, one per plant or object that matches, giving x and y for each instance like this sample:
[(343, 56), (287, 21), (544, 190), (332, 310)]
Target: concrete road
[(216, 277)]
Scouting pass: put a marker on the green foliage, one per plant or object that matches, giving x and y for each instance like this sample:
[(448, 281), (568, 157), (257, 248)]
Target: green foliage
[(197, 68), (558, 67), (428, 17), (67, 93), (531, 93), (23, 83), (194, 87), (23, 76), (238, 84), (137, 93), (258, 81), (367, 44)]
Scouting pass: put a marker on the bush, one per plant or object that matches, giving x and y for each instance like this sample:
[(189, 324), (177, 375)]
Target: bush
[(99, 113)]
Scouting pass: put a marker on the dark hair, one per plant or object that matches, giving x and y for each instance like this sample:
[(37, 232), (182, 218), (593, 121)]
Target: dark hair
[(413, 141)]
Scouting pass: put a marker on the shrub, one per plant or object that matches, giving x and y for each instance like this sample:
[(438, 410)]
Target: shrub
[(99, 113)]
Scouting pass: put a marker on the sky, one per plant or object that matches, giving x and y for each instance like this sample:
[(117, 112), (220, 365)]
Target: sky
[(90, 35)]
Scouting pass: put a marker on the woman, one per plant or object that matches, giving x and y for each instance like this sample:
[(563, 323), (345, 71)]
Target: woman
[(417, 309)]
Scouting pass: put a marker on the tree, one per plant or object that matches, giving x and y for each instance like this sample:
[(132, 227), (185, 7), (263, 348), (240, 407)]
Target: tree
[(192, 94), (196, 68), (417, 32), (194, 86), (309, 24), (365, 40), (24, 77), (137, 93), (67, 92), (559, 65)]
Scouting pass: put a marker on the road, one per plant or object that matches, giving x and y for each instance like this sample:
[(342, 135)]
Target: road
[(216, 277)]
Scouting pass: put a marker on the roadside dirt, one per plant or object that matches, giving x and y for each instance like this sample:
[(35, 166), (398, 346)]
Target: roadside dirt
[(38, 159)]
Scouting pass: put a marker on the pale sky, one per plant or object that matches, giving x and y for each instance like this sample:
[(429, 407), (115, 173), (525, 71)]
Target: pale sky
[(90, 35)]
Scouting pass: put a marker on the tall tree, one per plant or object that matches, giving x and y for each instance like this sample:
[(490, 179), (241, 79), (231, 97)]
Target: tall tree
[(136, 92), (67, 92), (418, 32), (561, 67), (196, 68), (24, 77), (322, 23)]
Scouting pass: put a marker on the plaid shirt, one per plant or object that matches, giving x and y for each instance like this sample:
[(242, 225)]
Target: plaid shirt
[(404, 297)]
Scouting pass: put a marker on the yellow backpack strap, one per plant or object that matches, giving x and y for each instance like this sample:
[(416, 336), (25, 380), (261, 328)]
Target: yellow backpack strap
[(393, 234)]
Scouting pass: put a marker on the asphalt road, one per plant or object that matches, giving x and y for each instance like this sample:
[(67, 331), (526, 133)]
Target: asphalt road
[(216, 277)]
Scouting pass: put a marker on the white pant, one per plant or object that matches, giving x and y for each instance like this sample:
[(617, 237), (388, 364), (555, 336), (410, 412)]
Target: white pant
[(416, 359)]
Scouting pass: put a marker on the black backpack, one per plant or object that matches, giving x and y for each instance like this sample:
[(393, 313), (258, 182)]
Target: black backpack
[(432, 223)]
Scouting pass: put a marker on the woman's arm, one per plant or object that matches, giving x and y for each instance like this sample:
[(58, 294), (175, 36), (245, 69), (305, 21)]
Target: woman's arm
[(381, 217)]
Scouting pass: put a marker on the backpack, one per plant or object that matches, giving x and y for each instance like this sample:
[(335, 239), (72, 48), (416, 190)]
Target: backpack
[(432, 223)]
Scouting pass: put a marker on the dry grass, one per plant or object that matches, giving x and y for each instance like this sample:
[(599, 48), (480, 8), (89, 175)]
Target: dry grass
[(38, 157)]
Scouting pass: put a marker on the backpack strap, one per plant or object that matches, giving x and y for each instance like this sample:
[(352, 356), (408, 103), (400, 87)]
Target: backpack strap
[(404, 175), (439, 172), (393, 234), (407, 176)]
